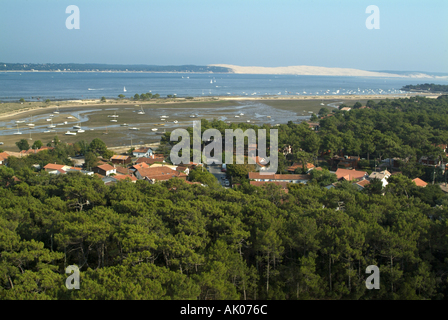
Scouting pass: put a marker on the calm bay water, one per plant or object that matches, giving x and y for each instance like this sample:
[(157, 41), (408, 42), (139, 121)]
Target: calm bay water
[(83, 85)]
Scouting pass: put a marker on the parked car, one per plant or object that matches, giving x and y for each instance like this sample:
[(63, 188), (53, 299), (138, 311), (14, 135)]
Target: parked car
[(223, 168), (226, 183)]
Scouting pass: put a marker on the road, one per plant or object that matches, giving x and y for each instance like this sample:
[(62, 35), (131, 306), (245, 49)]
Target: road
[(215, 169)]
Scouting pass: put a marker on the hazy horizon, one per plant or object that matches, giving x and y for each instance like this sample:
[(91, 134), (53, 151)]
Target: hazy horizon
[(413, 34)]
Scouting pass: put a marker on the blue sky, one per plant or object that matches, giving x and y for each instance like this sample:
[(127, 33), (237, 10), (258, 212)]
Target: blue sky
[(413, 35)]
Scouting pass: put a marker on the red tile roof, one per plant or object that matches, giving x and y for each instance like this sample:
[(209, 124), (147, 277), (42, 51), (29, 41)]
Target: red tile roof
[(53, 166), (124, 177), (141, 165), (106, 167), (122, 170), (350, 174), (150, 160), (4, 156), (419, 182), (160, 173), (299, 165), (363, 183)]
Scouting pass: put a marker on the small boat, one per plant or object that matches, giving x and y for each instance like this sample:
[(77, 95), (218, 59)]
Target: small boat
[(322, 104), (51, 116), (114, 115), (192, 116), (80, 131), (49, 119), (20, 121), (141, 111), (51, 126), (68, 133), (57, 111), (47, 131), (134, 128), (175, 121), (77, 127), (268, 116), (124, 89), (30, 124), (164, 116), (248, 121), (124, 124), (113, 120), (237, 116), (241, 114), (154, 129), (18, 132), (69, 117), (162, 119)]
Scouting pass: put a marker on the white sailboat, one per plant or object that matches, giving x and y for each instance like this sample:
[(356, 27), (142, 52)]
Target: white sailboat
[(175, 121), (154, 129), (68, 133), (18, 132), (51, 125), (57, 110), (141, 111), (124, 89), (31, 124)]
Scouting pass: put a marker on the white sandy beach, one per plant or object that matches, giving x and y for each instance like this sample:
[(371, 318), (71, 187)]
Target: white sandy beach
[(316, 71)]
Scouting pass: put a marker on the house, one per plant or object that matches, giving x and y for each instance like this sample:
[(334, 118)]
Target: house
[(419, 182), (3, 158), (287, 150), (427, 161), (117, 159), (141, 165), (346, 162), (308, 167), (350, 175), (314, 125), (362, 184), (383, 176), (105, 170), (289, 178), (123, 171), (157, 165), (121, 177), (159, 174), (283, 185), (32, 151), (142, 152), (151, 160), (56, 168)]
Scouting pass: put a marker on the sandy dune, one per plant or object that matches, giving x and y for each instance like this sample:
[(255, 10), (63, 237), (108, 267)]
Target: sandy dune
[(308, 70)]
